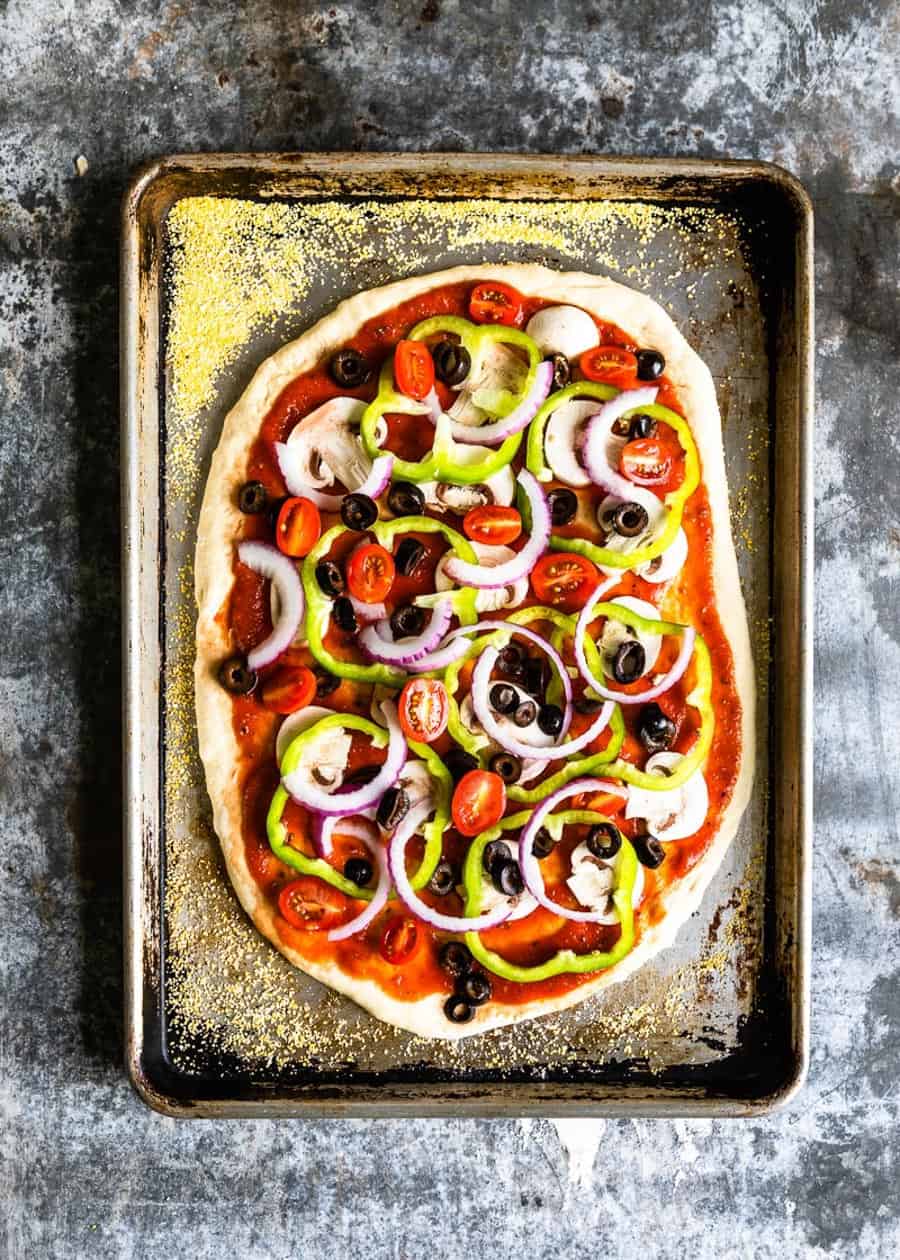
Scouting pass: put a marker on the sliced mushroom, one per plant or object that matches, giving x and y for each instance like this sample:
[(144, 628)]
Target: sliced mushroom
[(656, 519), (292, 725), (491, 387), (564, 330), (324, 759), (616, 632), (331, 448), (487, 600), (444, 497), (670, 814), (669, 564), (593, 879)]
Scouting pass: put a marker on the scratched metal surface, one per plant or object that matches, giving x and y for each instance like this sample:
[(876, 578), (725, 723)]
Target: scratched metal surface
[(85, 1169), (225, 995)]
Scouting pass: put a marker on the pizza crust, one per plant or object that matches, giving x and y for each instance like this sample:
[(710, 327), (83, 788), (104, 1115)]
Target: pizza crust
[(220, 521)]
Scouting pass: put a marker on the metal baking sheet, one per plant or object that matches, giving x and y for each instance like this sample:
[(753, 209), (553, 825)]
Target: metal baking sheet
[(224, 258)]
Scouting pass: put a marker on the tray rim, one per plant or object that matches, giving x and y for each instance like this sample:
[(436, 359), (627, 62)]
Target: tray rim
[(465, 1098)]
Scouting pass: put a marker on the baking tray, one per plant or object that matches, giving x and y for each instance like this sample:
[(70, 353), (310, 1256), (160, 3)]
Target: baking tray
[(217, 1023)]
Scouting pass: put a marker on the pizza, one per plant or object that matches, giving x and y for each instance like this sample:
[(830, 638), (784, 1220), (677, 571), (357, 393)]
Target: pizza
[(473, 678)]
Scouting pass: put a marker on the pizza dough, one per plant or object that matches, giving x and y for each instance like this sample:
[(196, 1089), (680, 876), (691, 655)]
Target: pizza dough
[(220, 523)]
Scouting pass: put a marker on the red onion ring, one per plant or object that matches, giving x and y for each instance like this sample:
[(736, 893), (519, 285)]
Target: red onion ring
[(451, 651), (375, 484), (481, 678), (620, 697), (325, 827), (343, 803), (531, 867), (593, 452), (443, 922), (367, 612), (271, 563), (409, 650), (379, 898), (490, 578)]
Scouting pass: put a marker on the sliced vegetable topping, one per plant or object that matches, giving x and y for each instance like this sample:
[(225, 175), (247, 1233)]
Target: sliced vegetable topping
[(424, 709), (413, 369), (496, 303)]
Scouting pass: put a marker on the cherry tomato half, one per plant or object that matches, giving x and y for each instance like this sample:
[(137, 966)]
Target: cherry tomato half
[(496, 303), (644, 462), (424, 709), (609, 364), (370, 573), (399, 940), (311, 904), (492, 525), (478, 802), (564, 580), (289, 688), (298, 527), (413, 369)]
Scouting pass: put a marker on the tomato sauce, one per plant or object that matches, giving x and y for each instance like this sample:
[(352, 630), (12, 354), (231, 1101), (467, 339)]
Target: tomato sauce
[(247, 615)]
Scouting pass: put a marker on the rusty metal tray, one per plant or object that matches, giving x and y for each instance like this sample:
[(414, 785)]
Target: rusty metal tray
[(223, 258)]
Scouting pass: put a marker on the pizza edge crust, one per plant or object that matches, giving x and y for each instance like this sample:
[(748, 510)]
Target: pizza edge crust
[(645, 320)]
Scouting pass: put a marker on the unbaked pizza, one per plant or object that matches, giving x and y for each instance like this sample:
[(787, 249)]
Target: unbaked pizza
[(474, 686)]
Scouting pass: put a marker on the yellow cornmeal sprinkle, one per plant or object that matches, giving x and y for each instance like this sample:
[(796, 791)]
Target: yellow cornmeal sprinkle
[(237, 270)]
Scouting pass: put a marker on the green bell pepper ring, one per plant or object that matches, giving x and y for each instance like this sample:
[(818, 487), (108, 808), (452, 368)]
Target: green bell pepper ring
[(432, 831), (674, 502), (318, 612), (565, 960), (463, 599), (699, 698), (535, 459), (575, 769), (275, 828), (441, 463), (318, 604)]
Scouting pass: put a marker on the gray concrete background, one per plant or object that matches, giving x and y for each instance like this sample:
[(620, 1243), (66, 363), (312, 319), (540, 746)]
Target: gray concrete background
[(86, 1170)]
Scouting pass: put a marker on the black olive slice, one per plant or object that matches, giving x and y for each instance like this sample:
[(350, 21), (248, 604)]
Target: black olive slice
[(550, 719), (503, 698), (656, 731), (343, 614), (649, 851), (604, 840), (543, 844), (359, 870), (451, 362), (406, 499), (392, 808), (408, 556), (642, 426), (330, 578), (475, 988), (525, 713), (407, 621), (629, 661), (253, 498), (236, 676), (443, 881), (358, 511), (495, 851), (455, 958), (630, 519), (563, 506), (562, 370), (650, 365), (459, 763), (507, 766), (458, 1010), (507, 878), (349, 369)]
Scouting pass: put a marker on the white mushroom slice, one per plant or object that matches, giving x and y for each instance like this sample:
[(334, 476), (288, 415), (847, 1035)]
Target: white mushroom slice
[(616, 632), (499, 489), (562, 440), (416, 781), (563, 330), (487, 600), (331, 448), (323, 759), (531, 734), (593, 879), (494, 382), (669, 564), (522, 903), (294, 723), (673, 814)]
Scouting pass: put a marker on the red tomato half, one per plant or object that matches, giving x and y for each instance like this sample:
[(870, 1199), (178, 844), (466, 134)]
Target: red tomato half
[(609, 364), (644, 462), (298, 528), (370, 573), (424, 709), (413, 369), (478, 802), (289, 688), (492, 525), (496, 303), (399, 940), (564, 580), (311, 904)]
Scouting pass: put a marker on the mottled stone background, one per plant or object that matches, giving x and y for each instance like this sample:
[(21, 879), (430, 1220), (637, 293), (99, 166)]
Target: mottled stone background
[(86, 1169)]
